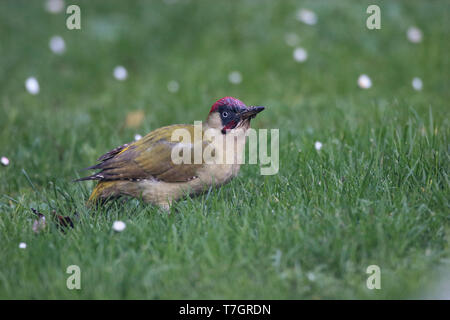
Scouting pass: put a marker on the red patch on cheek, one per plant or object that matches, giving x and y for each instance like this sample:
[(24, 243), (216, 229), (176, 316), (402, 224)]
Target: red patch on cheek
[(230, 125)]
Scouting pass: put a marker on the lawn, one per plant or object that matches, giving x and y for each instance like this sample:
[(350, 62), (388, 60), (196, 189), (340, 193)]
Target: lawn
[(376, 193)]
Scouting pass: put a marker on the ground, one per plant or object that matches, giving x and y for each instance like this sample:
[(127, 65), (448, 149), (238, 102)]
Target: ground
[(376, 193)]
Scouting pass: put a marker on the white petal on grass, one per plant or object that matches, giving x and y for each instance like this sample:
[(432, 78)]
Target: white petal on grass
[(119, 226), (57, 45), (291, 39), (22, 245), (364, 81), (417, 84), (311, 276), (235, 77), (300, 54), (137, 137), (32, 85), (318, 145), (307, 16), (173, 86), (4, 161), (120, 73), (414, 34), (54, 6)]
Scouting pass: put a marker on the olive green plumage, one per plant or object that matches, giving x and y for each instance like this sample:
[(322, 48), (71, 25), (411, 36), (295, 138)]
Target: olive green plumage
[(147, 157), (145, 169)]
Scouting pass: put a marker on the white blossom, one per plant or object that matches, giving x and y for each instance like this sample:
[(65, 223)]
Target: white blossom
[(414, 34), (119, 226), (235, 77), (300, 54), (4, 161), (57, 45), (318, 145), (32, 85), (364, 81), (54, 6), (311, 276), (307, 16), (173, 86), (417, 84), (120, 73)]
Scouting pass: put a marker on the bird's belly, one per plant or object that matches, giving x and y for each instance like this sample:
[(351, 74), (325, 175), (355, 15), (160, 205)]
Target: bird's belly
[(160, 192), (218, 174)]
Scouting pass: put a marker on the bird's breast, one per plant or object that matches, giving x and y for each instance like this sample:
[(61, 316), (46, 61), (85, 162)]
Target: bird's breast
[(228, 156)]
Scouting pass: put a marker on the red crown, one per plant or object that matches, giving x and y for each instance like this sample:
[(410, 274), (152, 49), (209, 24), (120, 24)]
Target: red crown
[(230, 101)]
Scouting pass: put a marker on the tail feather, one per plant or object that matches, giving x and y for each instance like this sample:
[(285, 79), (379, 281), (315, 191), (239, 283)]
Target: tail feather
[(96, 176), (107, 190), (103, 190)]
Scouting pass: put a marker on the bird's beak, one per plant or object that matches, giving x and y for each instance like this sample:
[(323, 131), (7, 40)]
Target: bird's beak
[(251, 112)]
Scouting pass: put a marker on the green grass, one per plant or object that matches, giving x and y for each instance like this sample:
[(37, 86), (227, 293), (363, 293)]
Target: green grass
[(377, 193)]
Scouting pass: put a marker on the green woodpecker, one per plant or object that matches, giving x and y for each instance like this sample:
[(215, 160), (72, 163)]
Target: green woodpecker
[(145, 168)]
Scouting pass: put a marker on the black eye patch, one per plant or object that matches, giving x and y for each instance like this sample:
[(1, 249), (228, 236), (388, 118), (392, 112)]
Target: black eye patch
[(229, 116)]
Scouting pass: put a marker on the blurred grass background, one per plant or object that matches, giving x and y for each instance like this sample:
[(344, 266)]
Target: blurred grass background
[(377, 193)]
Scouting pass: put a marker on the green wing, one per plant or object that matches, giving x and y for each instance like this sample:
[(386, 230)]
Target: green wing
[(149, 157)]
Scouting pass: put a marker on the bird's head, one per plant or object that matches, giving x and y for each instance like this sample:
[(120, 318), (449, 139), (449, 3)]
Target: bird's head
[(229, 113)]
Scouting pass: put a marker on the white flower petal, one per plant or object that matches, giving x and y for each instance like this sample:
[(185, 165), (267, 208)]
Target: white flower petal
[(311, 276), (137, 137), (54, 6), (417, 84), (120, 73), (32, 85), (235, 77), (57, 45), (307, 16), (318, 145), (4, 161), (22, 245), (414, 34), (300, 54), (364, 81), (119, 226), (173, 86)]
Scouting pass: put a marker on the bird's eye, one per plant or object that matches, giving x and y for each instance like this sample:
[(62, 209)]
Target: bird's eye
[(224, 114)]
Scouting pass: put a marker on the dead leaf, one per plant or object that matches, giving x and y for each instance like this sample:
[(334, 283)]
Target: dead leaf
[(134, 119), (39, 224), (63, 222)]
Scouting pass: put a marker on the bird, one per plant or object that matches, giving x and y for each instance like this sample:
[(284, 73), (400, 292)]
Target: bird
[(145, 168)]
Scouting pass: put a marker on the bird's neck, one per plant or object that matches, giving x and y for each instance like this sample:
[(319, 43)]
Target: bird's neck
[(230, 145), (213, 120)]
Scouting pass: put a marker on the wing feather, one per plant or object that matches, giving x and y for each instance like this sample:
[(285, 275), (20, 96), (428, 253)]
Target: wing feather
[(149, 157)]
